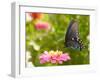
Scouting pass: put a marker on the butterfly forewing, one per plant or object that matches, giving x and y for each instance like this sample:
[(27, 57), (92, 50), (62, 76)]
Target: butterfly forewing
[(72, 30), (72, 39)]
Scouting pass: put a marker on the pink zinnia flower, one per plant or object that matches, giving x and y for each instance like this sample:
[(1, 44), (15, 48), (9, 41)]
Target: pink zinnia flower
[(54, 57), (42, 26)]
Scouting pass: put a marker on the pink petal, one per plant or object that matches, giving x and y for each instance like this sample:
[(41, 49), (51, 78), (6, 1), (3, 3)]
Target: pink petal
[(60, 62), (54, 57), (68, 58), (53, 61), (63, 57), (42, 61)]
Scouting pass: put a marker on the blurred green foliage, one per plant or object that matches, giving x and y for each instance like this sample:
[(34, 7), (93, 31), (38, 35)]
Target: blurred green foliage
[(38, 41)]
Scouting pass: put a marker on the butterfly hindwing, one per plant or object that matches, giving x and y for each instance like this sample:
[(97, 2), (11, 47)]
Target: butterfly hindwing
[(72, 39)]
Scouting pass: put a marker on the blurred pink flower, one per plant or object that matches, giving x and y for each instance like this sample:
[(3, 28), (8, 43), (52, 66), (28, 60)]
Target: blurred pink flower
[(54, 57), (42, 26)]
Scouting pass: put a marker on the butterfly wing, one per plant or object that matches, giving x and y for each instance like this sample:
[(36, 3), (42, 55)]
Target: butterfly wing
[(72, 39)]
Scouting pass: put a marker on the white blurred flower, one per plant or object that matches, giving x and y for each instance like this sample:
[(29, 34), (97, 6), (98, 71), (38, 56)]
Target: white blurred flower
[(28, 56), (28, 17), (35, 46)]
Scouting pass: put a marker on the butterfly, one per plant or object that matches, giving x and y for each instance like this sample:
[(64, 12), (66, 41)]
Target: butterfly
[(72, 39)]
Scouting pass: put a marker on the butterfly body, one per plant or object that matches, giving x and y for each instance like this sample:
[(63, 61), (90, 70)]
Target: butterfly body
[(72, 39)]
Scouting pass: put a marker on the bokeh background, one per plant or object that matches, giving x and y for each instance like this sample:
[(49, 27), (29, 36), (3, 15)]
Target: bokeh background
[(46, 32)]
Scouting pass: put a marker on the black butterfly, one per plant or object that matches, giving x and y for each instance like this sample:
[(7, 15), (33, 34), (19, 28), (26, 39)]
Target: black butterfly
[(72, 39)]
